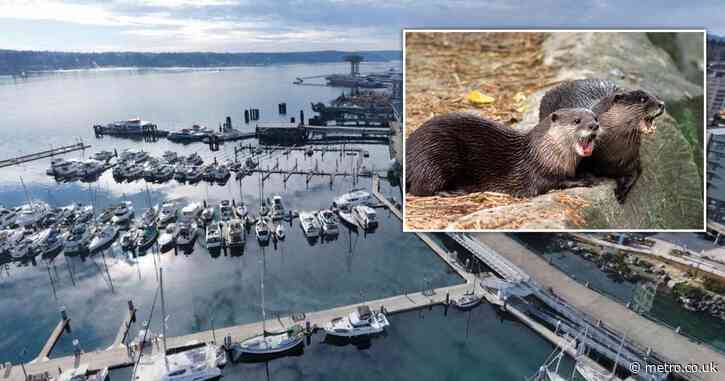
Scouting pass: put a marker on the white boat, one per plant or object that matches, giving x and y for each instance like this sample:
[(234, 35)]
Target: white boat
[(278, 211), (279, 232), (60, 167), (123, 213), (234, 233), (208, 214), (102, 237), (225, 210), (193, 173), (213, 236), (77, 239), (22, 249), (149, 216), (468, 300), (180, 172), (191, 212), (194, 159), (356, 197), (240, 210), (187, 233), (168, 236), (361, 322), (7, 217), (365, 216), (263, 231), (328, 222), (221, 173), (32, 213), (103, 155), (90, 168), (165, 173), (146, 236), (347, 216), (309, 224), (167, 213), (81, 373), (170, 156), (128, 239)]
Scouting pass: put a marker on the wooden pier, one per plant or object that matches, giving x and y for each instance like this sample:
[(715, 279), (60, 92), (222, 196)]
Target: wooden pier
[(62, 326), (376, 192), (125, 327), (44, 154)]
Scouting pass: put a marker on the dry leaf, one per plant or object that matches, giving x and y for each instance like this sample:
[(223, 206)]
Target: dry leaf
[(478, 99)]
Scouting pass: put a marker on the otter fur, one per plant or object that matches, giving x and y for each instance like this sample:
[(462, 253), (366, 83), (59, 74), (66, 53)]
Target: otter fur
[(623, 114), (463, 152)]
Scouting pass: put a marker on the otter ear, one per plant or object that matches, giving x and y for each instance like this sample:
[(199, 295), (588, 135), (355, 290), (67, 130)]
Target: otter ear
[(617, 97), (554, 117)]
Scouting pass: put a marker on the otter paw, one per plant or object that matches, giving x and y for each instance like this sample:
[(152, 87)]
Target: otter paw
[(621, 195)]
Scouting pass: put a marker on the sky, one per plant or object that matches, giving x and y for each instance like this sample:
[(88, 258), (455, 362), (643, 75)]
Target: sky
[(305, 25)]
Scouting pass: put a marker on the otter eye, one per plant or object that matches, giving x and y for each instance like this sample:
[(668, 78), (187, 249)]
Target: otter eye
[(577, 121), (642, 100)]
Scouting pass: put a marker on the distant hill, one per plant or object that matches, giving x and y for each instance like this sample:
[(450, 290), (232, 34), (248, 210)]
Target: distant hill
[(19, 61)]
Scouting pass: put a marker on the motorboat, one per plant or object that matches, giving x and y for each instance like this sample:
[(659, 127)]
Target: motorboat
[(221, 173), (278, 211), (77, 239), (167, 213), (193, 173), (81, 373), (102, 236), (365, 216), (48, 242), (150, 170), (133, 156), (186, 234), (240, 210), (213, 236), (90, 168), (194, 159), (234, 233), (149, 216), (123, 213), (168, 237), (128, 239), (165, 173), (309, 224), (207, 215), (196, 133), (180, 172), (60, 167), (146, 237), (105, 215), (356, 197), (279, 232), (170, 156), (7, 217), (103, 155), (361, 322), (262, 230), (84, 214), (134, 171), (32, 213), (196, 364), (347, 216), (468, 300), (22, 249), (328, 222), (191, 212), (225, 210)]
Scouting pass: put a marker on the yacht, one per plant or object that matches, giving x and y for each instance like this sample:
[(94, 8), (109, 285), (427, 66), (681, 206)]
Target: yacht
[(309, 224), (194, 159), (186, 234), (167, 213), (90, 168), (221, 173), (168, 237), (103, 156), (32, 213), (105, 215), (180, 172), (133, 172), (149, 216), (60, 167), (146, 237), (346, 215), (279, 232), (170, 156), (77, 239), (7, 217), (191, 212), (262, 229), (365, 216), (225, 210), (207, 215), (193, 173), (22, 249), (165, 173), (81, 373), (278, 211), (240, 210), (356, 197), (328, 221), (123, 213), (234, 234), (195, 133), (150, 170), (102, 237), (468, 300), (213, 236), (360, 322), (128, 239)]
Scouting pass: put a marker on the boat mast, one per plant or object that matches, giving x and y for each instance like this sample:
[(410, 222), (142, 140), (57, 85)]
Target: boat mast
[(264, 315), (27, 195), (163, 314)]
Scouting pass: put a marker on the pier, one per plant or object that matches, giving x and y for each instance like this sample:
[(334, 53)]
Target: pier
[(62, 326), (125, 327), (44, 154)]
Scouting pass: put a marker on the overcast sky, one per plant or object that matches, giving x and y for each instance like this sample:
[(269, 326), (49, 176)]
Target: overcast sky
[(297, 25)]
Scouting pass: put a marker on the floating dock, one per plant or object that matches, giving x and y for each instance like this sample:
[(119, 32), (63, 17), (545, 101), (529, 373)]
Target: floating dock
[(44, 154)]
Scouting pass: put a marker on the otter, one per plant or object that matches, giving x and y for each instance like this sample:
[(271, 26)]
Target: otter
[(624, 115), (461, 152)]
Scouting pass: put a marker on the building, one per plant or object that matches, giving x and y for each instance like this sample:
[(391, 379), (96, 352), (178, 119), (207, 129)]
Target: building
[(716, 174)]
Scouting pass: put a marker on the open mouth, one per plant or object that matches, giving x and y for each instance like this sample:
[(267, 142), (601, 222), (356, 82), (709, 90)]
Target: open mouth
[(647, 124), (585, 146)]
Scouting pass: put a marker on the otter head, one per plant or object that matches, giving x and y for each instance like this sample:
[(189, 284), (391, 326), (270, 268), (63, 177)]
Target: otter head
[(577, 127), (633, 110)]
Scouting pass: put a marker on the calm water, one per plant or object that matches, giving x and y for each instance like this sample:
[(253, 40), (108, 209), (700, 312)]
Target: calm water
[(299, 276), (665, 308)]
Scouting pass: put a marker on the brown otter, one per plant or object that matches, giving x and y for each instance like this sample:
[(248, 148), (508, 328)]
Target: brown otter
[(623, 114), (463, 152)]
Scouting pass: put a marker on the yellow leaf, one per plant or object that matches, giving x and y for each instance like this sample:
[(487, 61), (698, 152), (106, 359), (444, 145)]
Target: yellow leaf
[(477, 98), (520, 102)]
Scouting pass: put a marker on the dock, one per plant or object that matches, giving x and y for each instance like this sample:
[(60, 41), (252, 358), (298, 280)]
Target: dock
[(606, 313), (125, 327), (63, 324), (44, 154), (376, 192)]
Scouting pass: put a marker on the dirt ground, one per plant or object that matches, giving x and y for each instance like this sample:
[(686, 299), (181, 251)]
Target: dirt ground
[(441, 70)]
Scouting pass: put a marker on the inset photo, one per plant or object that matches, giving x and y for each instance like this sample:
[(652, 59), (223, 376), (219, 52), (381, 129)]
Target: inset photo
[(554, 130)]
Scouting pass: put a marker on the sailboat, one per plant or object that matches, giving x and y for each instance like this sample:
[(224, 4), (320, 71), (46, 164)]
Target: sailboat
[(196, 364), (269, 343)]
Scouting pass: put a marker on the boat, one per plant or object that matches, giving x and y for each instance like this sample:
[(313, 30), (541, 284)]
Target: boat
[(309, 224), (146, 237), (468, 300), (103, 155), (356, 197), (51, 242), (128, 239), (105, 216), (186, 234), (213, 236), (225, 210), (167, 213), (191, 212), (193, 134), (328, 222), (32, 213), (278, 211), (165, 173), (123, 213), (81, 373), (194, 159), (262, 230), (268, 343), (128, 127), (180, 172), (263, 209), (279, 232), (150, 170), (361, 322), (365, 216), (7, 217), (134, 171), (168, 237), (102, 236), (149, 216), (77, 239), (347, 216), (234, 233), (193, 173), (62, 168), (90, 168), (221, 173), (240, 210), (200, 363), (207, 215), (22, 249), (170, 156)]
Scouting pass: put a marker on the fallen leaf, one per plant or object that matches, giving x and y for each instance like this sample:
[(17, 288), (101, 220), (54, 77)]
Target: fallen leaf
[(475, 97)]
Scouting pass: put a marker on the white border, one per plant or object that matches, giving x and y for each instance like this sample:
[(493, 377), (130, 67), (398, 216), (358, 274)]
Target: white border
[(572, 30)]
